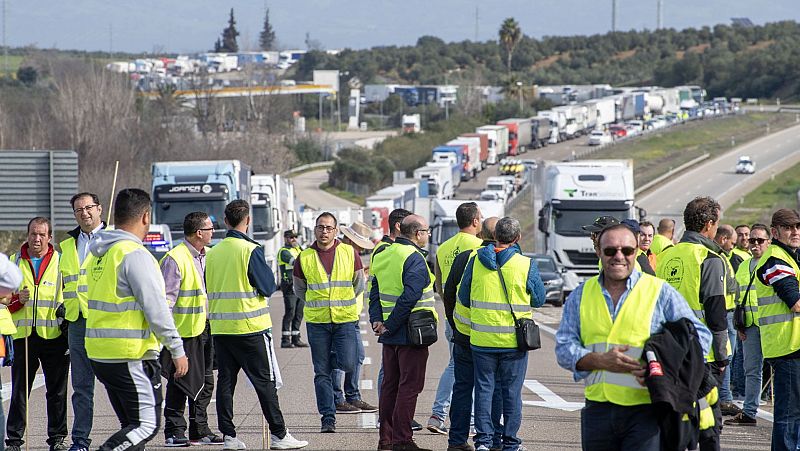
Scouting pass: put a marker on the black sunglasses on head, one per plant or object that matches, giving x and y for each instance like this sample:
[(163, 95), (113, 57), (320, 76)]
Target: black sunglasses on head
[(612, 251)]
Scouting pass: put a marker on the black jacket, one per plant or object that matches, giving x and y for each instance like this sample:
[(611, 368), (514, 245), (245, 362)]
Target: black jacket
[(449, 296)]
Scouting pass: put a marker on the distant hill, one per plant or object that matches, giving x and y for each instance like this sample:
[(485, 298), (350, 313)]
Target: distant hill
[(732, 61)]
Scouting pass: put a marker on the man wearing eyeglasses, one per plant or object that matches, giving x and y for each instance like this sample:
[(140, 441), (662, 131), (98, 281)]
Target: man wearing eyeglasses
[(183, 268), (329, 279), (750, 337), (697, 268), (601, 340), (88, 214), (778, 291)]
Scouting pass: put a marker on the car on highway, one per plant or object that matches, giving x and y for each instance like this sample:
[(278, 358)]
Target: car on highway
[(618, 131), (745, 165), (491, 195), (551, 277), (598, 138)]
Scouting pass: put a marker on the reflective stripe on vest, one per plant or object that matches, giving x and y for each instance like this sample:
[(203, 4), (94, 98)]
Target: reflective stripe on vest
[(461, 313), (330, 299), (190, 305), (287, 267), (234, 306), (116, 328), (631, 327), (388, 267), (779, 326), (492, 325), (71, 271), (45, 298), (748, 298), (679, 265)]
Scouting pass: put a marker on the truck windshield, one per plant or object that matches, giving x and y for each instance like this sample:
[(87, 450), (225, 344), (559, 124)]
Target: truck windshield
[(569, 222), (172, 213), (433, 188), (263, 219)]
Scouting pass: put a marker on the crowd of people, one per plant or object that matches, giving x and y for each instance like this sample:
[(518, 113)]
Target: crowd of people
[(664, 338)]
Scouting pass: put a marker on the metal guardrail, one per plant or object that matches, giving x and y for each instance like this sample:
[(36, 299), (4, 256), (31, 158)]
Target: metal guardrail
[(305, 167)]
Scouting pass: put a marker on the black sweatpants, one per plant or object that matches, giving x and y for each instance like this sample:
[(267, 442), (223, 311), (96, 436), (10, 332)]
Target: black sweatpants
[(53, 356), (292, 312), (250, 353), (175, 398), (134, 389)]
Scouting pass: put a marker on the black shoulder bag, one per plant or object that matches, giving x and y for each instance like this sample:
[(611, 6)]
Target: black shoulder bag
[(528, 338), (739, 313)]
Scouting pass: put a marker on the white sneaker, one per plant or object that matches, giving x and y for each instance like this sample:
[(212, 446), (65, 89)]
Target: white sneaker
[(287, 442), (233, 443)]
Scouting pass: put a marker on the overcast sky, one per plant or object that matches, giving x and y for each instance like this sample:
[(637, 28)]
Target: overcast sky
[(181, 26)]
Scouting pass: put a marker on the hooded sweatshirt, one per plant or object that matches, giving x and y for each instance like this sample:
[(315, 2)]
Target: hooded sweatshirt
[(139, 276)]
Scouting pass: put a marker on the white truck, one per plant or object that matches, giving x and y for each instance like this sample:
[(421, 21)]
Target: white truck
[(498, 141), (558, 120), (411, 123), (575, 194), (443, 218), (436, 180), (272, 198), (500, 183), (472, 162)]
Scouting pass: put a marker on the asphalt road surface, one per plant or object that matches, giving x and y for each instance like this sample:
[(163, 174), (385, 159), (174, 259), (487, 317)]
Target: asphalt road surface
[(306, 189), (550, 416)]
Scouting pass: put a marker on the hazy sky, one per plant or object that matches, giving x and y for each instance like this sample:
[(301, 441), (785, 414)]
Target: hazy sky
[(194, 25)]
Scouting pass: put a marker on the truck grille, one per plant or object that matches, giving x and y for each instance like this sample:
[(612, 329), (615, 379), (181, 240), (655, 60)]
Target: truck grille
[(582, 258)]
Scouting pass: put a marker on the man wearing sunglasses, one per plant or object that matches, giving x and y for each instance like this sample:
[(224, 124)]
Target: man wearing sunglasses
[(750, 337), (778, 290), (697, 269), (601, 339)]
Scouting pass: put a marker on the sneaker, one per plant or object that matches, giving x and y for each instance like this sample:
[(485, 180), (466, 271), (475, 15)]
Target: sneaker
[(59, 444), (415, 426), (347, 408), (472, 431), (76, 447), (729, 409), (461, 447), (328, 426), (233, 443), (176, 442), (298, 343), (408, 446), (741, 419), (436, 426), (287, 442), (209, 439), (365, 407)]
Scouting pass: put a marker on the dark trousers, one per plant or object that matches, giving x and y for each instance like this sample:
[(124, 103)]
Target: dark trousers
[(175, 398), (332, 346), (292, 312), (250, 353), (134, 389), (53, 356), (403, 381), (709, 438), (610, 427), (461, 401), (786, 429)]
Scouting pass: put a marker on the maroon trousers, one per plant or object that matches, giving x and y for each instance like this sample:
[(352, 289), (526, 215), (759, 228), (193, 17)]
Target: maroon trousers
[(403, 381)]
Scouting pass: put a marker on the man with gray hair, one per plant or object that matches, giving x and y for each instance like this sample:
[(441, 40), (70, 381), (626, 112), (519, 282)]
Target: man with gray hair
[(490, 288)]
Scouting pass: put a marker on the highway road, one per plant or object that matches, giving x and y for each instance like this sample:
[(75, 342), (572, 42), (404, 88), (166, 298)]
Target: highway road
[(306, 189)]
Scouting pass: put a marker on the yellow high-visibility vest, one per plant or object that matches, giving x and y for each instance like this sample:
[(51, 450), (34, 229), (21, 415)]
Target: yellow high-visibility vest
[(189, 311), (70, 268), (46, 296), (449, 250), (779, 325), (388, 269), (748, 298), (330, 299)]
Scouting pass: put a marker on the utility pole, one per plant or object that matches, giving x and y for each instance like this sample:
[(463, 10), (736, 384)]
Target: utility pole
[(5, 45), (613, 15), (660, 18), (111, 41), (477, 21)]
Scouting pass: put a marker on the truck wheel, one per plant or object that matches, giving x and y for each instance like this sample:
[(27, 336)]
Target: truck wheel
[(560, 301)]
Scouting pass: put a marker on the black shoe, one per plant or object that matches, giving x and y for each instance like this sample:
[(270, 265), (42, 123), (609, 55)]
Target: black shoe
[(415, 427), (729, 409), (298, 343), (461, 447), (286, 343), (408, 446), (59, 444), (741, 420), (13, 447), (328, 426), (176, 442), (208, 439)]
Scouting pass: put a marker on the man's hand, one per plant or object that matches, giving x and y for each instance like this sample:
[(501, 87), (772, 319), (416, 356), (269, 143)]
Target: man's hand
[(24, 295), (742, 335), (796, 307), (378, 328), (181, 366), (639, 375), (5, 300), (617, 361)]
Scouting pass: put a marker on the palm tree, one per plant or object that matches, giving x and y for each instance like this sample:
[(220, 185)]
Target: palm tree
[(510, 34)]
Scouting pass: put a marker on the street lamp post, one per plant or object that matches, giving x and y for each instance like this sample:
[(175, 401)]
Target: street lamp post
[(519, 92)]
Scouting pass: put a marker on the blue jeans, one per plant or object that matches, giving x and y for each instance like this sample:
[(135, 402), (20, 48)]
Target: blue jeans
[(350, 380), (506, 369), (737, 370), (463, 385), (725, 394), (82, 383), (326, 339), (610, 427), (445, 389), (753, 364), (786, 428)]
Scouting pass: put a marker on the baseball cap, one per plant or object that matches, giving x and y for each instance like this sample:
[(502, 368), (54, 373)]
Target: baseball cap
[(290, 234), (600, 224), (633, 225), (785, 217)]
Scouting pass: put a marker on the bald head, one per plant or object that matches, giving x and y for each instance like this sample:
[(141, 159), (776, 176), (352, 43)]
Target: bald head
[(725, 237), (487, 231), (666, 227)]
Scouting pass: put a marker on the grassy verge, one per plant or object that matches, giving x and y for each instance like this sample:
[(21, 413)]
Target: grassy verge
[(523, 211), (13, 64), (657, 153), (759, 204), (346, 195)]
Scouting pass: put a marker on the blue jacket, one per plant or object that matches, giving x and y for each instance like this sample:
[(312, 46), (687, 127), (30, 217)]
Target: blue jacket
[(491, 259), (415, 279)]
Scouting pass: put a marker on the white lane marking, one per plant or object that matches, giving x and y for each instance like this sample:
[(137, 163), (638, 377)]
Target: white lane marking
[(759, 413), (547, 329), (550, 400), (365, 343), (367, 361), (38, 382), (362, 323), (367, 420), (365, 384), (362, 332)]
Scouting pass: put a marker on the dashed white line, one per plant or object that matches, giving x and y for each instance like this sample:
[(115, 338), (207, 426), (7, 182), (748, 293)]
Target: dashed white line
[(362, 332), (365, 343), (365, 384), (38, 382), (367, 361), (367, 420)]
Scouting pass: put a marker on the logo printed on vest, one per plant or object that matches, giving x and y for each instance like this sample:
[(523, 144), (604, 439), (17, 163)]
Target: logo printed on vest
[(97, 269), (674, 272)]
